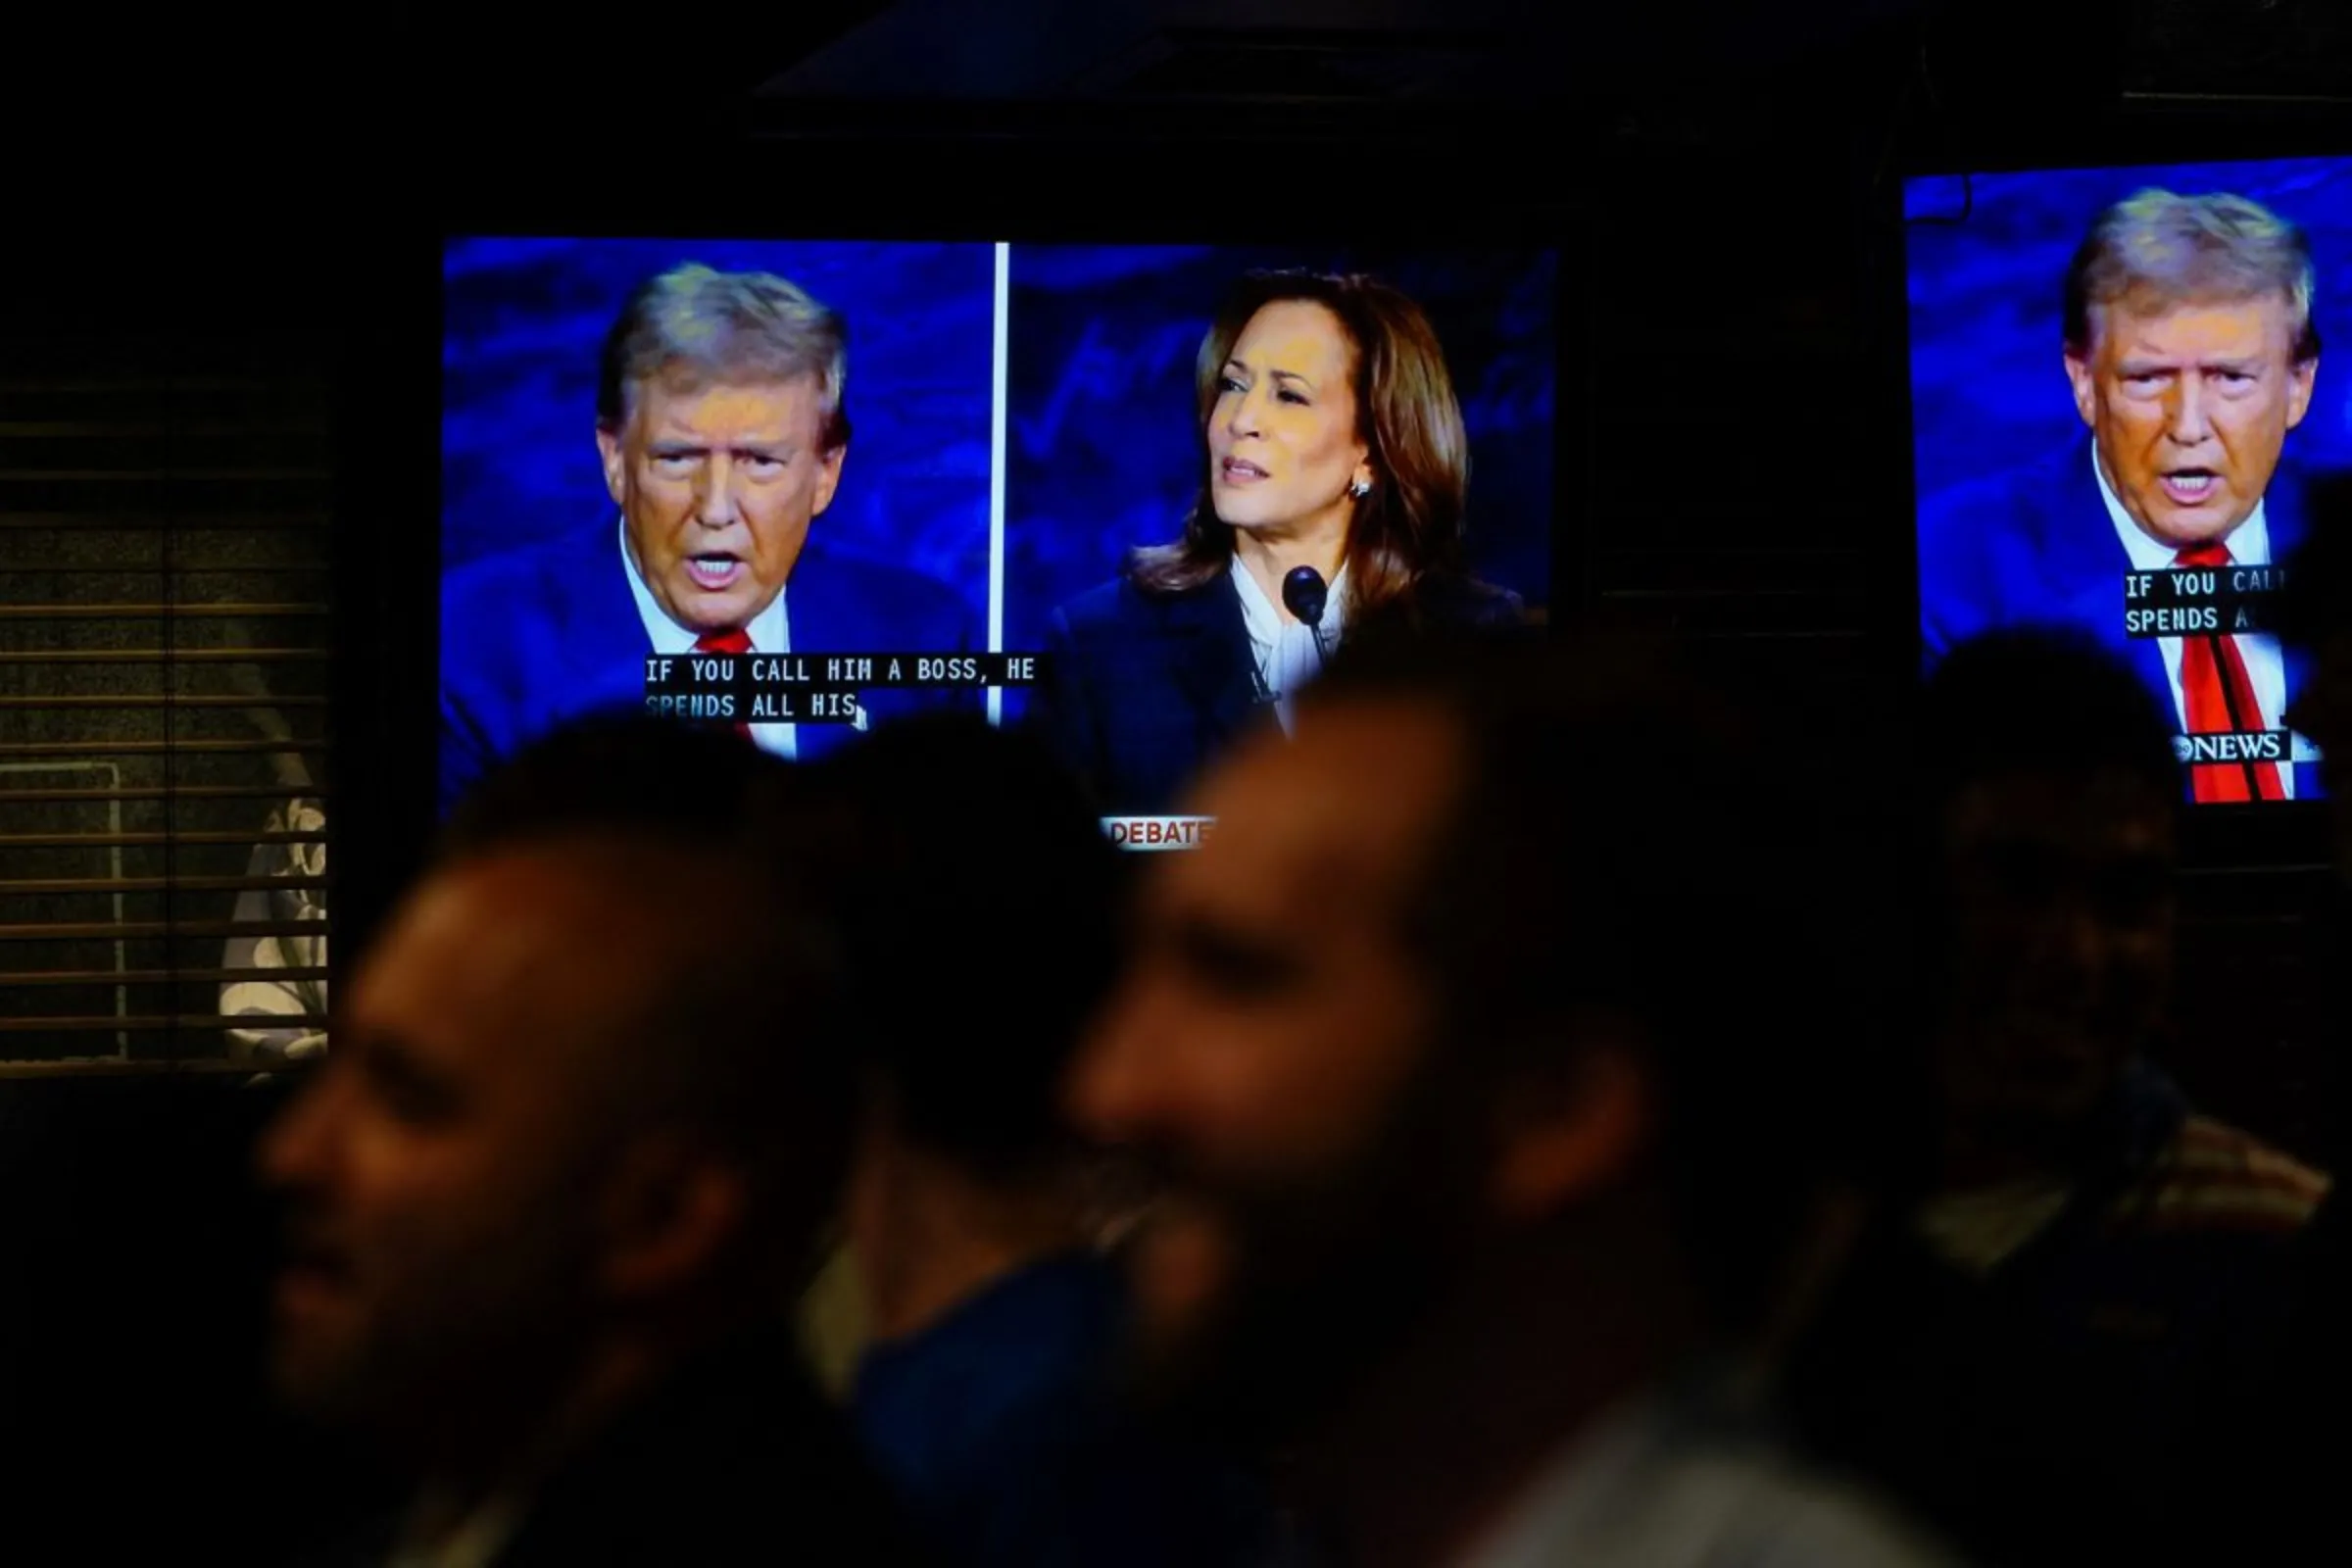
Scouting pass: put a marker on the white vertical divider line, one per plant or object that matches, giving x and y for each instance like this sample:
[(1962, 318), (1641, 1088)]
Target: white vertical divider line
[(996, 473)]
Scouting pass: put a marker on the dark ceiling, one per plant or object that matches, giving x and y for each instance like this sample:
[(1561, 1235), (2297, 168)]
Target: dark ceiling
[(399, 94), (1531, 54), (214, 125), (1395, 52)]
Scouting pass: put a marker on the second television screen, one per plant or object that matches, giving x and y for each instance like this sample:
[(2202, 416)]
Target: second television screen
[(2120, 413), (800, 487)]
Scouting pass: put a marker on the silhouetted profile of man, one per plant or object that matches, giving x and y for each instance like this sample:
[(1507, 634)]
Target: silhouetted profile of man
[(2052, 1346), (568, 1160), (1447, 1046), (979, 896)]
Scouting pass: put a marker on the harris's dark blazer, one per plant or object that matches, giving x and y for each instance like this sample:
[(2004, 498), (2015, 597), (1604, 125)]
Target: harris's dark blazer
[(1140, 689), (2036, 546), (550, 632)]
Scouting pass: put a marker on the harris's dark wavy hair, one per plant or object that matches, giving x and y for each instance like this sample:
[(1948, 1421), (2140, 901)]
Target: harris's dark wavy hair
[(1408, 528)]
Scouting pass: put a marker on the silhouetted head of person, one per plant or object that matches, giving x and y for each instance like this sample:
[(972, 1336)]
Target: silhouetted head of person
[(975, 890), (628, 770), (2315, 623), (585, 1115), (1474, 967), (2048, 787)]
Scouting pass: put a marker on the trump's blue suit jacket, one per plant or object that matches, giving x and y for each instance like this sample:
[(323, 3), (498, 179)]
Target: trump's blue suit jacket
[(1140, 689), (2036, 546), (549, 632)]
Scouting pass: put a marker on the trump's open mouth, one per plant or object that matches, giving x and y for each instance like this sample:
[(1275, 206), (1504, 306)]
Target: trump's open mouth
[(713, 572), (2189, 487)]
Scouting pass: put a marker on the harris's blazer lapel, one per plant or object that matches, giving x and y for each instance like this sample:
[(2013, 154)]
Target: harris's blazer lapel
[(1211, 657)]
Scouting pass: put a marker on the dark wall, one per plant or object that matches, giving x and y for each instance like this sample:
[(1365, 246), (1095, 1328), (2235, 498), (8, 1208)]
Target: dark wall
[(132, 1271), (155, 411)]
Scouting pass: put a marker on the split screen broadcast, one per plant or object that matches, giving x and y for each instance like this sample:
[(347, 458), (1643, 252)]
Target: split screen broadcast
[(1130, 496), (800, 487), (2118, 406)]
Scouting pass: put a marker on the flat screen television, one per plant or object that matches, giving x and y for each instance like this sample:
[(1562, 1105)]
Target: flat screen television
[(2118, 406), (1132, 495)]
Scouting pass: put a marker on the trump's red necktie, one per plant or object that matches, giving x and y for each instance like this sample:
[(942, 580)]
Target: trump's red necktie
[(2218, 696), (737, 641)]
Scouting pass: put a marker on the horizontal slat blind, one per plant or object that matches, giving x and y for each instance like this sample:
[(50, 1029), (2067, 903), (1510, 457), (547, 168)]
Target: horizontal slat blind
[(165, 607)]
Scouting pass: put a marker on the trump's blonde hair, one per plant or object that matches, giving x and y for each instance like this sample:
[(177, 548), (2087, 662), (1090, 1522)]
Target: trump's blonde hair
[(2190, 249), (694, 327)]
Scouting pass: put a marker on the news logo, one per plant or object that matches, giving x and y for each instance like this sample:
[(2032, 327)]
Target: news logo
[(2240, 746)]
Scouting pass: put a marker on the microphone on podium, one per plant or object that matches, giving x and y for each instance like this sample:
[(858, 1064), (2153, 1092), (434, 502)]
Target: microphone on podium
[(1305, 595)]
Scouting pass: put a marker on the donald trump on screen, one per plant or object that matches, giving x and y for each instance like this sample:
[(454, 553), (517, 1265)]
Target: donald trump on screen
[(2189, 349), (721, 432)]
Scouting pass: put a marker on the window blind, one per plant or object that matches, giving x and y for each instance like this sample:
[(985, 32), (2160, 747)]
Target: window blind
[(164, 609)]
